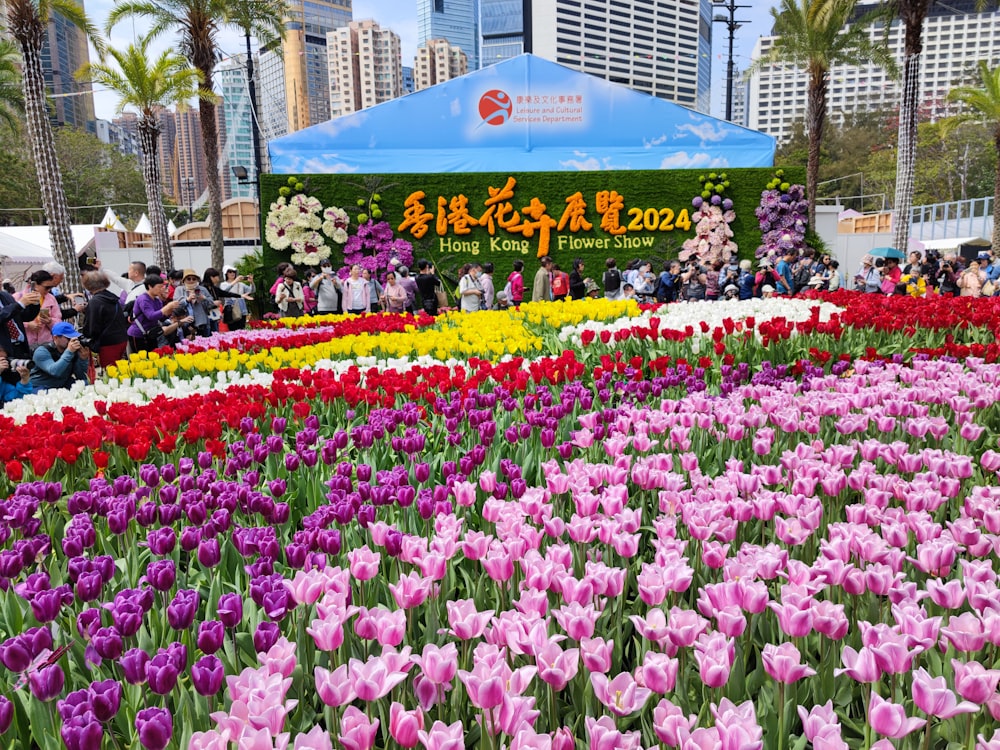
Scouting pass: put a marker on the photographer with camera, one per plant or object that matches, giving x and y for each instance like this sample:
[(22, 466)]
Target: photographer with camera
[(63, 362), (11, 391), (151, 317), (947, 278)]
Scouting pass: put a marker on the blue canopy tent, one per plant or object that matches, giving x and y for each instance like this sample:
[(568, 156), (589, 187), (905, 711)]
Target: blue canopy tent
[(525, 114)]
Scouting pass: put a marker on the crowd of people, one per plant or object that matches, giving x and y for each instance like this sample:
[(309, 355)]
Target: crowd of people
[(52, 340)]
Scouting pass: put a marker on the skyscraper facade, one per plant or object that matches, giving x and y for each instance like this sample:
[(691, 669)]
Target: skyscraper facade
[(189, 155), (454, 20), (438, 61), (955, 38), (659, 47), (501, 26), (294, 83), (64, 52), (237, 144), (365, 67)]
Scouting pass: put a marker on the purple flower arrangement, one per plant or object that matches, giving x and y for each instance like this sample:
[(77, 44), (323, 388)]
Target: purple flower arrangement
[(783, 215)]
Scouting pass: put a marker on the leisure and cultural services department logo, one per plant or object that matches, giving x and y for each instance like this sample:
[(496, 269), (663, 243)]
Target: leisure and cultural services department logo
[(495, 107)]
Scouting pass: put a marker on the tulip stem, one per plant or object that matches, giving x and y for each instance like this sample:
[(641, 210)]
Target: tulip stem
[(781, 716), (927, 736)]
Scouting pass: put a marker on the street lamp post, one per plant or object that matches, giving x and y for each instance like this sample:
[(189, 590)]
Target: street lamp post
[(189, 185), (731, 25)]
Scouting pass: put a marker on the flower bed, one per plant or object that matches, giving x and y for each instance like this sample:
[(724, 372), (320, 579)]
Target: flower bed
[(684, 527)]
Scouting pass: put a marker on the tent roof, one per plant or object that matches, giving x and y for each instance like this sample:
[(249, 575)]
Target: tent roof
[(32, 244), (112, 222), (144, 226), (954, 244), (524, 114)]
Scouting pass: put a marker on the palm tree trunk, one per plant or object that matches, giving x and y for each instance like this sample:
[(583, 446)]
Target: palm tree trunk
[(996, 194), (210, 139), (149, 136), (43, 151), (816, 117)]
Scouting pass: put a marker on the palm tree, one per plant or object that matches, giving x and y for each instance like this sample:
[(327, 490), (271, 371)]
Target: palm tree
[(265, 19), (148, 88), (983, 101), (816, 35), (911, 14), (11, 95), (198, 23), (27, 22)]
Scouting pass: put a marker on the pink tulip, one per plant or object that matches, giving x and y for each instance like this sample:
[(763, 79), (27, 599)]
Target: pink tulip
[(443, 736), (818, 719), (334, 688), (527, 738), (327, 633), (889, 719), (465, 493), (410, 590), (364, 563), (316, 738), (794, 620), (658, 672), (974, 682), (604, 735), (670, 724), (714, 654), (280, 658), (932, 696), (829, 620), (577, 621), (466, 623), (965, 632), (372, 680), (484, 685), (784, 663), (621, 695), (498, 563), (891, 653), (555, 666), (211, 740), (516, 712), (991, 744), (356, 731), (404, 725), (438, 663), (860, 666), (596, 654), (306, 587), (685, 626), (737, 726)]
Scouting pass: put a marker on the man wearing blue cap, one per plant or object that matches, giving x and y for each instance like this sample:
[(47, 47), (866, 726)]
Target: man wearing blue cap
[(61, 363)]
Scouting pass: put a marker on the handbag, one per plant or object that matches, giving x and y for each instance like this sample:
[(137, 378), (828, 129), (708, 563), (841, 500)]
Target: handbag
[(442, 296), (989, 289), (215, 314)]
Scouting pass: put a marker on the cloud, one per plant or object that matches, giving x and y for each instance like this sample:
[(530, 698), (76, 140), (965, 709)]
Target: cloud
[(706, 131), (324, 164), (456, 107), (681, 160), (655, 141), (587, 163)]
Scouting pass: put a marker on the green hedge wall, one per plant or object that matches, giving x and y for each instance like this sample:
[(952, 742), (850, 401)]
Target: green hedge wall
[(650, 198)]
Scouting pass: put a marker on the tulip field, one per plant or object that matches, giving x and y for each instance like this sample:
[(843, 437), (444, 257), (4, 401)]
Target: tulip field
[(737, 525)]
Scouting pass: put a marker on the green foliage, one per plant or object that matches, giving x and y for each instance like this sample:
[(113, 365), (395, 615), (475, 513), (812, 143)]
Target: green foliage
[(94, 174), (648, 191)]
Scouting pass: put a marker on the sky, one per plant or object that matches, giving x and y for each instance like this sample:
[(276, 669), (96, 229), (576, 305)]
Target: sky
[(401, 17)]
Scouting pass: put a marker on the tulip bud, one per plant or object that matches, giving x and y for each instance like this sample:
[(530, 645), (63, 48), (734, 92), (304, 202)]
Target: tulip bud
[(155, 727), (230, 610), (133, 663), (265, 636), (105, 699), (207, 675), (47, 682), (211, 634)]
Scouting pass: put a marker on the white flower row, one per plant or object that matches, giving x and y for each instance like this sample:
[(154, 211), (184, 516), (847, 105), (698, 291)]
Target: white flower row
[(681, 315)]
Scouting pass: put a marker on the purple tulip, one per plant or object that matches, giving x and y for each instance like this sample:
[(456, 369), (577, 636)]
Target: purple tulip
[(47, 682), (161, 541), (127, 617), (75, 704), (133, 663), (178, 654), (230, 609), (182, 610), (155, 727), (15, 654), (209, 553), (6, 714), (211, 634), (207, 675), (108, 643), (87, 622), (265, 636), (161, 574), (190, 537), (105, 698), (421, 472), (161, 673), (328, 540), (82, 733), (45, 605)]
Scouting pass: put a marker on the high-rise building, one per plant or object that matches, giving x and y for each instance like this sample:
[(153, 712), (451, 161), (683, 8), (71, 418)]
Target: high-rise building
[(236, 146), (454, 20), (294, 85), (115, 135), (501, 30), (438, 61), (189, 154), (659, 48), (365, 67), (407, 79), (955, 38)]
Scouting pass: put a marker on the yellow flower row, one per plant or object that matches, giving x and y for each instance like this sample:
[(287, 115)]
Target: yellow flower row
[(487, 335)]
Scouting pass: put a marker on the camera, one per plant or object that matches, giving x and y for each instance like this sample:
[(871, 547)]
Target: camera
[(86, 342), (15, 363)]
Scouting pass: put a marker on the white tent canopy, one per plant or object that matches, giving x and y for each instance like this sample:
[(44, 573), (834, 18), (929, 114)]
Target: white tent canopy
[(112, 222), (144, 226), (954, 244), (23, 249), (171, 228)]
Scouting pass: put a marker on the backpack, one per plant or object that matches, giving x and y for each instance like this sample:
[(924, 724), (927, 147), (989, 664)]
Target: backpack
[(560, 284), (802, 276), (665, 288), (612, 280)]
